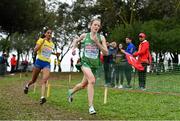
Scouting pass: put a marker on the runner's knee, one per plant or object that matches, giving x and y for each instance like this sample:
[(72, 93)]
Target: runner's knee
[(33, 81), (43, 81), (91, 81), (83, 85)]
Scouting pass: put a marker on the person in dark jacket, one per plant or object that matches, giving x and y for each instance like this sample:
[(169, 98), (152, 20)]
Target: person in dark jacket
[(3, 63), (106, 67)]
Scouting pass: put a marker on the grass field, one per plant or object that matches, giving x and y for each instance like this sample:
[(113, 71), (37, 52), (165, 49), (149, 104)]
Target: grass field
[(159, 102)]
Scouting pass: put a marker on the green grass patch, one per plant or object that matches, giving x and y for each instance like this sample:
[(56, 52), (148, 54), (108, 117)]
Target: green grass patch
[(121, 104)]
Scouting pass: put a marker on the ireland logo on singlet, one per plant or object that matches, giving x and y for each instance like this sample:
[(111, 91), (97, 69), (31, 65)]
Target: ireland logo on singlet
[(91, 51)]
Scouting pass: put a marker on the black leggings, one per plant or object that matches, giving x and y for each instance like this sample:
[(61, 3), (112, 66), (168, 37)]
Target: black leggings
[(142, 76)]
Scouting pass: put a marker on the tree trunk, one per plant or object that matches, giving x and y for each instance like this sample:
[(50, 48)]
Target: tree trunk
[(59, 68), (175, 58), (161, 62), (18, 58)]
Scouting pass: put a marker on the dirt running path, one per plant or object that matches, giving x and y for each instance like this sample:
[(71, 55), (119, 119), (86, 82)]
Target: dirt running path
[(14, 105)]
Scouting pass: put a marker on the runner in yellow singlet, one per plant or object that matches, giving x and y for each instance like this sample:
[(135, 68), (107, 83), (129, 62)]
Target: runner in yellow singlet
[(44, 47)]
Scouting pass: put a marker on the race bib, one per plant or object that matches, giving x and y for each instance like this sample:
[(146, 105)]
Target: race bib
[(91, 51), (46, 52)]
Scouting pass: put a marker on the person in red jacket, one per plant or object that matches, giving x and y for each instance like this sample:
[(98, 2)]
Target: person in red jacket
[(13, 63), (144, 58)]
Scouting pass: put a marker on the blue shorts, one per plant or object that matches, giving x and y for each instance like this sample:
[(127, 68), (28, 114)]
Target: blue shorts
[(42, 64)]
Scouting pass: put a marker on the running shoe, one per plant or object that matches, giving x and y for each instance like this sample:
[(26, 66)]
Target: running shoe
[(70, 97), (42, 101), (25, 90), (91, 110)]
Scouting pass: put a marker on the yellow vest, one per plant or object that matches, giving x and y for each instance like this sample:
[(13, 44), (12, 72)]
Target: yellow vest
[(44, 53)]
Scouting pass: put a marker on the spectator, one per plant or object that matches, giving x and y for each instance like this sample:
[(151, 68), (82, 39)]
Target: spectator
[(119, 67), (128, 68), (106, 59), (161, 63), (169, 64), (112, 55), (144, 58), (25, 65), (3, 63), (13, 63)]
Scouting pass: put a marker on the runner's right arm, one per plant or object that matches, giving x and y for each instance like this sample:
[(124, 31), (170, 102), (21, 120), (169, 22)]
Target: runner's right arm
[(75, 42), (39, 43)]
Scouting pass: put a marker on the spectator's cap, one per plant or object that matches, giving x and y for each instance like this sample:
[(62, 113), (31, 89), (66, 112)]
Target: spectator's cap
[(143, 35)]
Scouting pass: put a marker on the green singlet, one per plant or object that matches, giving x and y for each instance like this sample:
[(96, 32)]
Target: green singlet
[(91, 53)]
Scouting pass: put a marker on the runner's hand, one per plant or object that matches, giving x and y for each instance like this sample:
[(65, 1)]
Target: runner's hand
[(94, 38), (123, 51)]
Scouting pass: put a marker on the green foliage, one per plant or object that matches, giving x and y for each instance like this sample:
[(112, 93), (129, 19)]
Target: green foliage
[(23, 15), (120, 18), (159, 34), (120, 32), (4, 44), (21, 42), (162, 33), (159, 9)]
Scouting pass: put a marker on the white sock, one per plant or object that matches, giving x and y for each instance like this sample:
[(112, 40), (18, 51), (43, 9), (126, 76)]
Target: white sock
[(27, 86), (90, 106), (42, 97)]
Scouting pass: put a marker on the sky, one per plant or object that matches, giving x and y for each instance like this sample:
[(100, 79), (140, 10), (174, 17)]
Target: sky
[(67, 1)]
